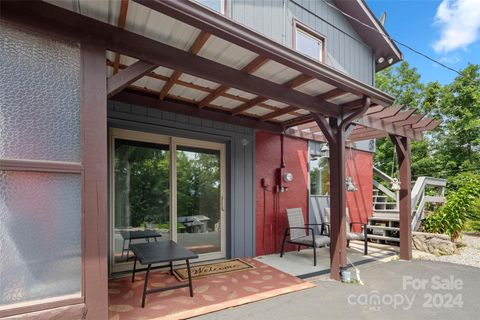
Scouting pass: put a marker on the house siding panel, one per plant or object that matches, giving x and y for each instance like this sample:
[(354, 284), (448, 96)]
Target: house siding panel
[(345, 49), (240, 213)]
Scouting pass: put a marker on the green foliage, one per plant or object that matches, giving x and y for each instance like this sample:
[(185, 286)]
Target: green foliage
[(451, 151), (461, 206), (142, 184)]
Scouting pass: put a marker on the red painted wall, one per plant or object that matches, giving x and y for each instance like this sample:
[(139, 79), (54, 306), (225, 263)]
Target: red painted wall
[(271, 223), (359, 166), (271, 218)]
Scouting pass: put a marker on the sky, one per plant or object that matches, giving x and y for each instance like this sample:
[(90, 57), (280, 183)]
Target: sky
[(446, 30)]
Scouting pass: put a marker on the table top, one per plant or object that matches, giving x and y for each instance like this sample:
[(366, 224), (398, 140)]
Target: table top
[(161, 251), (139, 234)]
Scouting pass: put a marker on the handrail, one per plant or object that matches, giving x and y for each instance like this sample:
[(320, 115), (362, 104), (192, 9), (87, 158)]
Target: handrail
[(419, 199), (379, 173)]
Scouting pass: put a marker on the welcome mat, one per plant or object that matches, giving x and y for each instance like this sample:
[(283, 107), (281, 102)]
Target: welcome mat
[(212, 269), (210, 293)]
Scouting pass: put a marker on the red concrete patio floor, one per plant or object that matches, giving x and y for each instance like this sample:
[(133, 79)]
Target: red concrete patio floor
[(210, 293)]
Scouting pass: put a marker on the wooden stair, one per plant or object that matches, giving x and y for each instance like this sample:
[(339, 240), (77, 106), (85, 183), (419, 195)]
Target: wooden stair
[(384, 225)]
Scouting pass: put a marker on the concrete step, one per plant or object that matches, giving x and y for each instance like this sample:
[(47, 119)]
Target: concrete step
[(378, 237)]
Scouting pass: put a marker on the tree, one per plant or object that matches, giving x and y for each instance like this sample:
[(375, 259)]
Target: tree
[(450, 151), (452, 147)]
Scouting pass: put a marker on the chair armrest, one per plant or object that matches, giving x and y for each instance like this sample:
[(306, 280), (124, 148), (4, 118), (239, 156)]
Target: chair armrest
[(364, 225), (287, 229)]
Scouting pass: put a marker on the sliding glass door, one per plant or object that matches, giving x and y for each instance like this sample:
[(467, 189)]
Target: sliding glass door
[(165, 188)]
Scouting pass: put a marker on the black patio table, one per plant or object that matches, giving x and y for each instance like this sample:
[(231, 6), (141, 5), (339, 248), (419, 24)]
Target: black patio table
[(158, 252), (137, 234)]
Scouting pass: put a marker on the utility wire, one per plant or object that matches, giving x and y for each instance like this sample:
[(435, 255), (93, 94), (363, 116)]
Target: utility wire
[(376, 30)]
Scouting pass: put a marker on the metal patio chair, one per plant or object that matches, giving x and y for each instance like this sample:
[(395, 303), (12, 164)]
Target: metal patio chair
[(301, 234), (361, 236)]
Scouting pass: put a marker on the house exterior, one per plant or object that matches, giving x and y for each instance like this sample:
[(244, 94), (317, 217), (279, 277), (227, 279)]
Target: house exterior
[(181, 117)]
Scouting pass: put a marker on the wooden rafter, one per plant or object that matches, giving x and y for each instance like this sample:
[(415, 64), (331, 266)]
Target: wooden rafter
[(120, 81), (195, 48), (122, 19), (278, 113), (192, 110), (295, 82), (254, 65), (199, 88), (332, 94)]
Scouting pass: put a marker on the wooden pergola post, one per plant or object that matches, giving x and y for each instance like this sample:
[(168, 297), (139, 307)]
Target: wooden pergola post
[(402, 145), (338, 203), (335, 132)]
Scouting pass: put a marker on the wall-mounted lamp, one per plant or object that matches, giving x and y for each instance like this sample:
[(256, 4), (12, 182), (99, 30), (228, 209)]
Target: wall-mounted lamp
[(380, 60), (390, 60)]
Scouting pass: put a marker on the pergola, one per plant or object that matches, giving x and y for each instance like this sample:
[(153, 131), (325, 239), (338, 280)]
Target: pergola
[(184, 58)]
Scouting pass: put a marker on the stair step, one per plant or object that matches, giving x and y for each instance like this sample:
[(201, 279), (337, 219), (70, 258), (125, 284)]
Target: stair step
[(387, 211), (384, 218), (378, 237), (383, 228)]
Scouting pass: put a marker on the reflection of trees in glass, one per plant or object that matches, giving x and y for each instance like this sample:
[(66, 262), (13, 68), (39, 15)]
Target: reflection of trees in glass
[(198, 184), (319, 176), (142, 184)]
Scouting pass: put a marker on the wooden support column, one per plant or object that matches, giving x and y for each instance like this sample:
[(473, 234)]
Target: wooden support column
[(94, 160), (402, 145), (335, 132), (338, 203)]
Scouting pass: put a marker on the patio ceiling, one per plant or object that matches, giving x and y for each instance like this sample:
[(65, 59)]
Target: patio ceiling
[(215, 65)]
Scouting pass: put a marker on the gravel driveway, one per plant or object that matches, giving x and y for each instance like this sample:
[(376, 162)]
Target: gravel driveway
[(469, 255)]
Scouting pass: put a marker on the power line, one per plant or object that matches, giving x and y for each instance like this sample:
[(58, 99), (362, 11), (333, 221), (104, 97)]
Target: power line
[(376, 30)]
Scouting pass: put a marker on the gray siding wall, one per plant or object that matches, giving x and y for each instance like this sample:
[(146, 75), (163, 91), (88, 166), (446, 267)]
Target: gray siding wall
[(345, 50), (240, 191)]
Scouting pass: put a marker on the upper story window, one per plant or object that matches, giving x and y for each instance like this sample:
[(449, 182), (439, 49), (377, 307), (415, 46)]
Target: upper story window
[(308, 42), (216, 5)]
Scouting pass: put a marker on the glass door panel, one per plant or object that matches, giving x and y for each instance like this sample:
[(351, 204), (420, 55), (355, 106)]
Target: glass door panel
[(141, 194), (199, 196)]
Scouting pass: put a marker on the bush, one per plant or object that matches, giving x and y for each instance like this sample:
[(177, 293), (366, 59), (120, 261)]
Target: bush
[(462, 206)]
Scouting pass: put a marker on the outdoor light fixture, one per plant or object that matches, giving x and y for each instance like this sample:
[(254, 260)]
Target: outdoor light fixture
[(390, 60), (380, 60), (395, 184), (350, 186)]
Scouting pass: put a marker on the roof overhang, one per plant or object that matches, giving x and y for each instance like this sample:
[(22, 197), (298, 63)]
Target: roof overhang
[(375, 36), (177, 52)]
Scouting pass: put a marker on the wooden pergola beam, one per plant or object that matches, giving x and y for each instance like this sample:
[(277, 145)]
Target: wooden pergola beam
[(387, 126), (194, 49), (150, 101), (120, 81)]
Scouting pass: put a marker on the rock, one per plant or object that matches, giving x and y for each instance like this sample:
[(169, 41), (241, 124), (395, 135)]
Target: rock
[(438, 245)]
